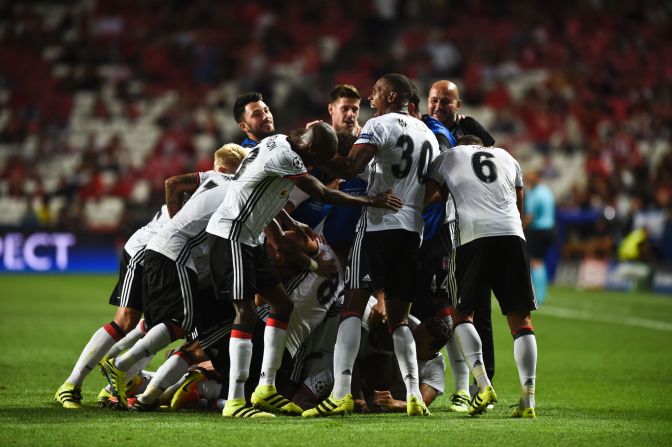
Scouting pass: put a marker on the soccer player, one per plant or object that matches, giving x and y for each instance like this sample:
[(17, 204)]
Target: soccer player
[(385, 251), (239, 265), (539, 223), (487, 186), (381, 377), (127, 296), (443, 104), (171, 276), (339, 227), (437, 268), (253, 117), (344, 107)]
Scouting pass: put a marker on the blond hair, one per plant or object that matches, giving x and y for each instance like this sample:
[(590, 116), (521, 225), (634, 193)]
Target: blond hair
[(229, 155)]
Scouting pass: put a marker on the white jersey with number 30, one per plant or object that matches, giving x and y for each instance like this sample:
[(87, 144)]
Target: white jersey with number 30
[(406, 147), (483, 184)]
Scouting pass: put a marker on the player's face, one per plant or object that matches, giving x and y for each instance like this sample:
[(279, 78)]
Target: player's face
[(344, 114), (443, 104), (378, 97), (258, 120)]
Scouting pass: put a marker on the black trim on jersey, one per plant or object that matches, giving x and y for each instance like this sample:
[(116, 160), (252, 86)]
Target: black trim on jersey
[(296, 280), (191, 243), (457, 240), (244, 214)]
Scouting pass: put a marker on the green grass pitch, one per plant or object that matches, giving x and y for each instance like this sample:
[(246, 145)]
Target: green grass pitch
[(604, 378)]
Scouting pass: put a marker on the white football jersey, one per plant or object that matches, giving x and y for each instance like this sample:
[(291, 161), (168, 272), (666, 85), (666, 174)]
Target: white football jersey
[(312, 295), (258, 192), (483, 184), (406, 148), (184, 238), (139, 239)]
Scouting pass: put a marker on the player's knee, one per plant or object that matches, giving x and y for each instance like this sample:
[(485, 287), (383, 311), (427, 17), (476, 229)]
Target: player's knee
[(127, 319)]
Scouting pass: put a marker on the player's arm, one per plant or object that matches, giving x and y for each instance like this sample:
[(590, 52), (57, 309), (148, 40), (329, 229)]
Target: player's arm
[(520, 200), (352, 165), (318, 190), (434, 192), (176, 186)]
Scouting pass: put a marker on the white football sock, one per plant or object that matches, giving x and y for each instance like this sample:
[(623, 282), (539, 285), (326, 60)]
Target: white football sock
[(156, 339), (458, 366), (525, 353), (345, 353), (169, 373), (101, 341), (470, 345), (404, 348), (240, 354), (129, 340), (275, 337)]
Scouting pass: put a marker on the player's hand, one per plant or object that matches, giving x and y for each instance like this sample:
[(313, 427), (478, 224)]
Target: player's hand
[(320, 237), (360, 406), (304, 230), (387, 200), (383, 399), (326, 267), (378, 313)]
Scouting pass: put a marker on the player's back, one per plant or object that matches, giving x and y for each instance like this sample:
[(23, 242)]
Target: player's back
[(186, 230), (406, 148), (259, 190), (483, 184)]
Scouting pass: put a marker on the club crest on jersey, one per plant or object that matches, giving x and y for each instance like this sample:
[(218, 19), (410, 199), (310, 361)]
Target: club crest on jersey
[(297, 163), (283, 194), (445, 263)]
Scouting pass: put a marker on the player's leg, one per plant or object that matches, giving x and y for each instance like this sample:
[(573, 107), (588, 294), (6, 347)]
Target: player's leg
[(513, 289), (128, 286), (233, 274), (169, 312), (472, 285)]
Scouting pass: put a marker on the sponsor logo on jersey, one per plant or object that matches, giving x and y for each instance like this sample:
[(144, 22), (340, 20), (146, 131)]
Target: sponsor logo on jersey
[(366, 136)]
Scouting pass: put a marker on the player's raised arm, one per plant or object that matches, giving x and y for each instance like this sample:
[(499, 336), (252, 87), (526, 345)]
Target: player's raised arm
[(176, 186)]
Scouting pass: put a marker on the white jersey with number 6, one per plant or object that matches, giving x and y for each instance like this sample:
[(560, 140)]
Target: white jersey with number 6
[(406, 148), (483, 184)]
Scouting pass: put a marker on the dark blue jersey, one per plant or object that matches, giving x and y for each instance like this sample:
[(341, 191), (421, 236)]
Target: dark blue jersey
[(341, 223)]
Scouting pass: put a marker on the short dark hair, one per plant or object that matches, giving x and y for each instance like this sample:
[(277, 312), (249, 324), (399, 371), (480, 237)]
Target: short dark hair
[(415, 97), (469, 139), (439, 329), (344, 91), (242, 101), (400, 84)]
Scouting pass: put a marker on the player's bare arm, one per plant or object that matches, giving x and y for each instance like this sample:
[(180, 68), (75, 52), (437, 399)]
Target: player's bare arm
[(520, 200), (434, 192), (175, 187), (352, 165), (318, 190)]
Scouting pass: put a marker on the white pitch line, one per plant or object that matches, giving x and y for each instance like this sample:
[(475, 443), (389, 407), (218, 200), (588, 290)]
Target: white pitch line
[(575, 314)]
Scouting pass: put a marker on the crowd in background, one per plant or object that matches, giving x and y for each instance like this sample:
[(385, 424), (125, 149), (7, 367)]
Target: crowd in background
[(101, 101)]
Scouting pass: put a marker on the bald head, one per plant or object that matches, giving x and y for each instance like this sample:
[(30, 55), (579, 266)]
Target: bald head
[(443, 102), (319, 139)]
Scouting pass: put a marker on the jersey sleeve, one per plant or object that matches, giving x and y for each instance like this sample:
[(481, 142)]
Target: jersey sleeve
[(287, 163), (373, 133), (519, 175), (297, 196)]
